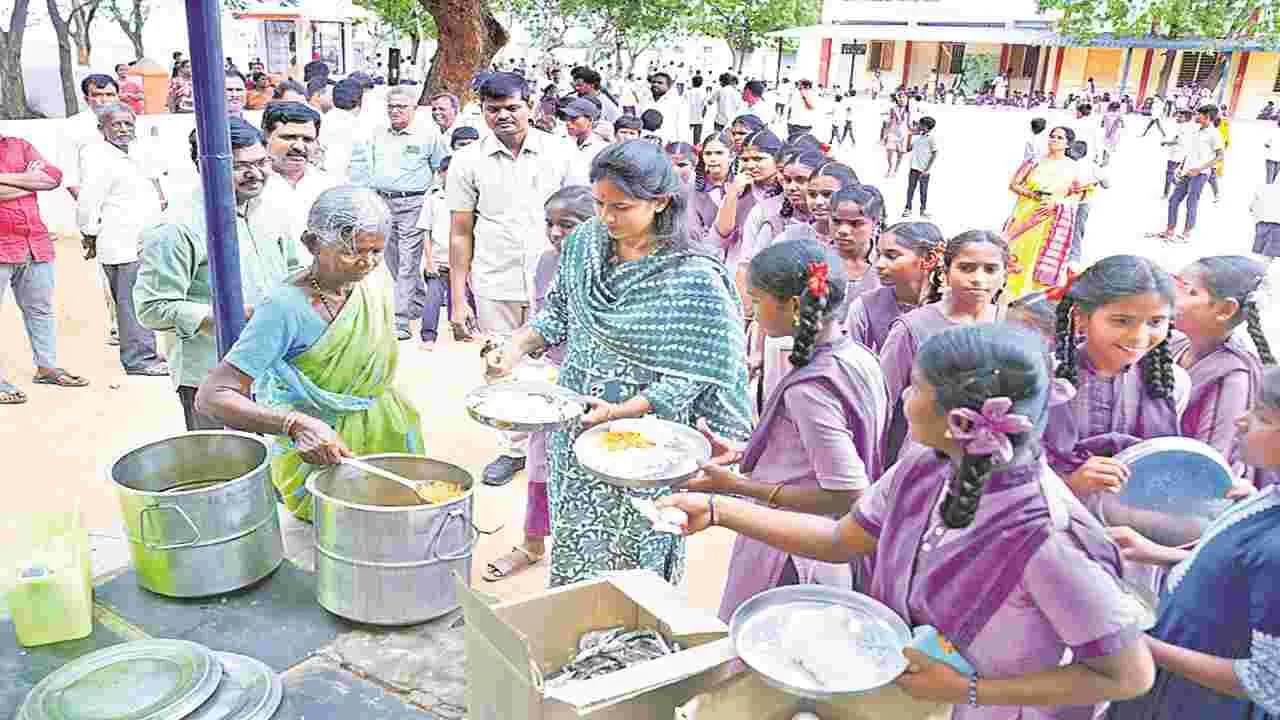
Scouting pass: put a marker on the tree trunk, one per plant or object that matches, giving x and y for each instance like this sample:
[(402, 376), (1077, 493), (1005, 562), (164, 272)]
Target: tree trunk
[(1166, 72), (415, 46), (13, 92), (132, 24), (70, 95), (467, 38), (81, 23)]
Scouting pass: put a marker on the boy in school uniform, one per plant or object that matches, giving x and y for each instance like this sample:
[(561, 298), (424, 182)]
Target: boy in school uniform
[(434, 221), (924, 153)]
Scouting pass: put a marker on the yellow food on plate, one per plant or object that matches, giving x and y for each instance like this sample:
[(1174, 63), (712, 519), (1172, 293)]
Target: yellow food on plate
[(618, 441), (438, 491)]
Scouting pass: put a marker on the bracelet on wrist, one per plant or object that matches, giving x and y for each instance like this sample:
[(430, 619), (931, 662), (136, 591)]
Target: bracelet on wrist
[(973, 690), (711, 507), (290, 422)]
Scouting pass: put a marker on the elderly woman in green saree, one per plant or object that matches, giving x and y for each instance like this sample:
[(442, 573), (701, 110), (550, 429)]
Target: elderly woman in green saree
[(650, 326), (320, 355)]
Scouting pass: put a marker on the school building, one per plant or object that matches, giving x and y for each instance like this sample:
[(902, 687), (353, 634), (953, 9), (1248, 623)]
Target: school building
[(908, 40)]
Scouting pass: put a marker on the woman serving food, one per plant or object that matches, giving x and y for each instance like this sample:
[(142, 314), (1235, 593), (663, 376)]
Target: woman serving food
[(649, 326)]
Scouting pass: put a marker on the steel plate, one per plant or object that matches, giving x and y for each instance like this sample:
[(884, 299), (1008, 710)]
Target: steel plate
[(759, 625), (143, 680), (249, 691), (689, 450), (571, 404), (1176, 487)]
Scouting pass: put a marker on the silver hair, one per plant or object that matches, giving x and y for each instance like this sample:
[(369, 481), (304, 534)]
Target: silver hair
[(401, 91), (339, 213), (110, 109)]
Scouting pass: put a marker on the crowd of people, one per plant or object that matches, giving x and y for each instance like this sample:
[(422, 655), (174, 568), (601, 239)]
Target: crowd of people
[(928, 420)]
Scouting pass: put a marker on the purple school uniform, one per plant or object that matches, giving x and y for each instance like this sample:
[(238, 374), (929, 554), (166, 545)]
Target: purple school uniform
[(1108, 415), (703, 206), (871, 315), (537, 514), (820, 428), (1033, 576), (865, 285), (897, 356), (1223, 386), (729, 246)]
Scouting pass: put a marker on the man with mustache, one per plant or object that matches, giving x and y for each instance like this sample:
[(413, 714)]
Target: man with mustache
[(675, 113), (293, 133), (399, 162), (172, 292), (496, 191), (120, 196)]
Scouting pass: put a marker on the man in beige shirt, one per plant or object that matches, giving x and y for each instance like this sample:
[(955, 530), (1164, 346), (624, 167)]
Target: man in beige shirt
[(496, 192)]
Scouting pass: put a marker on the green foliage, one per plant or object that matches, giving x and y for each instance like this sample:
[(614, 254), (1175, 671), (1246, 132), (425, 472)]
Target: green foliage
[(743, 23), (1210, 19), (404, 17), (978, 71)]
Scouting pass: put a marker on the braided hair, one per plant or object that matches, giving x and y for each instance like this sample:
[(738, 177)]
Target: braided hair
[(1106, 281), (953, 248), (804, 158), (700, 169), (750, 124), (1239, 278), (1036, 311), (790, 269), (969, 365)]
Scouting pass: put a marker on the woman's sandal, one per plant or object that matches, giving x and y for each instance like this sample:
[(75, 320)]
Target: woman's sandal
[(61, 378), (510, 564)]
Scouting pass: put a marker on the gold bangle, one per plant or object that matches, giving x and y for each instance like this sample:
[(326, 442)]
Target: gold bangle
[(773, 495), (608, 412)]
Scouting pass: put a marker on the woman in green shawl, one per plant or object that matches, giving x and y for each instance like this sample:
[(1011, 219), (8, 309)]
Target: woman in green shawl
[(650, 327), (320, 355)]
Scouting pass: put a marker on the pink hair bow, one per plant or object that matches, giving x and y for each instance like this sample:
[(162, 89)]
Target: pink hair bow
[(987, 432)]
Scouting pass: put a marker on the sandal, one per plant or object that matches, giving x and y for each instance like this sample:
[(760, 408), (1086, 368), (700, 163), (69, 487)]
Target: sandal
[(61, 378), (510, 564), (157, 370), (10, 394)]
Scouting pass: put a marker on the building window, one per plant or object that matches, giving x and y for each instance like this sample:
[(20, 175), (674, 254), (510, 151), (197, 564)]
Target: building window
[(1023, 61), (1276, 87), (1196, 67), (277, 45), (880, 55), (328, 43), (950, 58), (1031, 62)]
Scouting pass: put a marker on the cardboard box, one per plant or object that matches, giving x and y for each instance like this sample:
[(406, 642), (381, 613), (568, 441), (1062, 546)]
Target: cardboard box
[(748, 697), (512, 646)]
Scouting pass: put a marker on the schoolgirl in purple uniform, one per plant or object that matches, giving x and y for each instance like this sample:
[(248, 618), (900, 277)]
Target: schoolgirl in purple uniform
[(816, 447), (1215, 296), (974, 265), (711, 177), (973, 534), (830, 179), (857, 219), (907, 255)]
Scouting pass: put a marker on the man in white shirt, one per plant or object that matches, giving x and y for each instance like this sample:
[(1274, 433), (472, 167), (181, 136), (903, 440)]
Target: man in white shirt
[(342, 127), (444, 112), (696, 98), (293, 131), (1157, 112), (1273, 152), (1177, 149), (728, 101), (82, 128), (754, 102), (496, 191), (118, 198), (579, 117), (664, 99), (1204, 150), (587, 83), (806, 111)]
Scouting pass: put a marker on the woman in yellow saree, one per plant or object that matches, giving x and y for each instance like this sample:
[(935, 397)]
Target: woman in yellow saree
[(320, 355), (1042, 227)]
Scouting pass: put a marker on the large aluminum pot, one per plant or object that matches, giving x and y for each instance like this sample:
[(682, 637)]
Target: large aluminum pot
[(199, 512), (382, 557)]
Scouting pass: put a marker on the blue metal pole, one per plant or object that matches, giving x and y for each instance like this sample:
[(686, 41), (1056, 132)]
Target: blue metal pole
[(1124, 74), (204, 30), (1222, 78)]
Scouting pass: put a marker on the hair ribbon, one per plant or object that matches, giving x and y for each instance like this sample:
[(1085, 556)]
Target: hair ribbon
[(817, 283), (987, 432)]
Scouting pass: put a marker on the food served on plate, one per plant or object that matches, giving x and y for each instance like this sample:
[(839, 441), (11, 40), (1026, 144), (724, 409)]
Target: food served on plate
[(829, 644), (620, 440), (520, 406)]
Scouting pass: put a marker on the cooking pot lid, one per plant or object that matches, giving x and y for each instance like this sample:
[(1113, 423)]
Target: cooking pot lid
[(249, 691), (143, 680)]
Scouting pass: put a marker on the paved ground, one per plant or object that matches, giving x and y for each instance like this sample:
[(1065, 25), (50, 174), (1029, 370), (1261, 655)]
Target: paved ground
[(55, 448)]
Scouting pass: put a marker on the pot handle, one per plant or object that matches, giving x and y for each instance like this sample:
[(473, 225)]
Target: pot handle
[(170, 546), (460, 554)]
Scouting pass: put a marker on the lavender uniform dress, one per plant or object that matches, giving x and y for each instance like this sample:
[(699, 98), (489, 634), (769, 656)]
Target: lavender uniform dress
[(703, 207), (537, 516), (1032, 577), (871, 315), (897, 356), (821, 428), (1106, 416), (1224, 384)]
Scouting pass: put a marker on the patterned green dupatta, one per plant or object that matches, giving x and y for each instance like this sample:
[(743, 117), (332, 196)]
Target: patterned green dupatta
[(676, 313), (346, 379)]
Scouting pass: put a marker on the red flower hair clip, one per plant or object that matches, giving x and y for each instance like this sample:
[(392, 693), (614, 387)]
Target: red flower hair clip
[(817, 284)]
